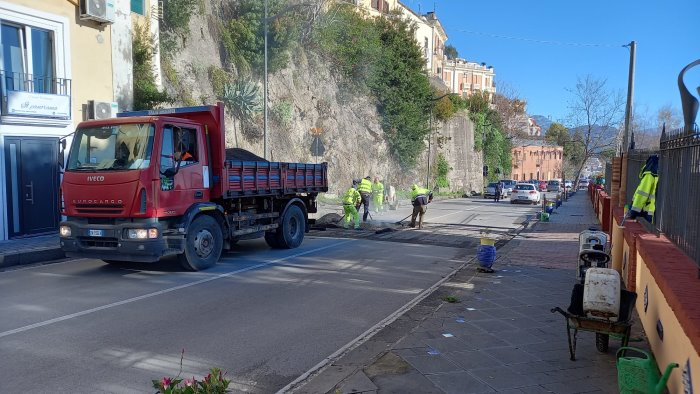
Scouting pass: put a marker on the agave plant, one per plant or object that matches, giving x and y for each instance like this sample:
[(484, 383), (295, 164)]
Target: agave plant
[(242, 98)]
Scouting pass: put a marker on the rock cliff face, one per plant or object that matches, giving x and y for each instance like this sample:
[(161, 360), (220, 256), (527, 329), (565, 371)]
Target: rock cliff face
[(349, 123), (455, 140)]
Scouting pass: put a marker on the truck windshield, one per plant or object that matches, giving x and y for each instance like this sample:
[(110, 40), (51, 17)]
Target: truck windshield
[(114, 147)]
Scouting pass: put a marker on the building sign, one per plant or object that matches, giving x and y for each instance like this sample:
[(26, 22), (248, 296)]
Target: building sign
[(38, 105)]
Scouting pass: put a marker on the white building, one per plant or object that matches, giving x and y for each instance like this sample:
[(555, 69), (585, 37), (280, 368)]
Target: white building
[(430, 36), (57, 60), (465, 77)]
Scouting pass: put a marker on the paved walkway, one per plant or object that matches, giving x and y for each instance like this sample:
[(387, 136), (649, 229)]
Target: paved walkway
[(499, 336), (29, 250)]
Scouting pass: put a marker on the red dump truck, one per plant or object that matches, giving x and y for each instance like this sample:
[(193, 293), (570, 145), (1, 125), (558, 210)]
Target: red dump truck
[(157, 183)]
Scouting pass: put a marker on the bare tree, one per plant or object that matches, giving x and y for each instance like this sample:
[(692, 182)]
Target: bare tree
[(595, 111), (669, 116), (511, 109), (643, 125)]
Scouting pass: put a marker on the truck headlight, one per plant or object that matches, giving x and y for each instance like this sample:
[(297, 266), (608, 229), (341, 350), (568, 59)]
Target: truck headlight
[(137, 233), (142, 233), (64, 231)]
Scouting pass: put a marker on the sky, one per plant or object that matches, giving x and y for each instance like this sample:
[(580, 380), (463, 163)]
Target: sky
[(667, 33)]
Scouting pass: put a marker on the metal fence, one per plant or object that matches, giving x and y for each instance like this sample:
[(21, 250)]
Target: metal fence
[(678, 205), (608, 178)]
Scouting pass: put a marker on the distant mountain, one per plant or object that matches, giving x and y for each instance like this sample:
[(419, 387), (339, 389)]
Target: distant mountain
[(543, 121)]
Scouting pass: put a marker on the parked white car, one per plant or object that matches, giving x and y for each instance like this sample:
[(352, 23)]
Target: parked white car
[(525, 193), (583, 184)]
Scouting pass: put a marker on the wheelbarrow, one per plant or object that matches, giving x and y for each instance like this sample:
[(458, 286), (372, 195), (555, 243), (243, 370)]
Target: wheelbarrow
[(576, 320)]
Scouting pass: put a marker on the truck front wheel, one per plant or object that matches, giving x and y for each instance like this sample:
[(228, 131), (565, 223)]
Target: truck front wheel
[(203, 244)]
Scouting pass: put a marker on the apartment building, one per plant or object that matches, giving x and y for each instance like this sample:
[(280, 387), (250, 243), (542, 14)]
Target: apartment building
[(466, 78), (536, 159), (375, 7), (430, 36), (62, 62)]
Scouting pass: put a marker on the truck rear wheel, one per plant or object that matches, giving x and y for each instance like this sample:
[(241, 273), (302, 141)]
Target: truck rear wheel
[(290, 232), (271, 239), (203, 244)]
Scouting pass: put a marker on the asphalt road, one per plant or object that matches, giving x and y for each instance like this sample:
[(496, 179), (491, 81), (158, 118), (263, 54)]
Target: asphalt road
[(265, 316)]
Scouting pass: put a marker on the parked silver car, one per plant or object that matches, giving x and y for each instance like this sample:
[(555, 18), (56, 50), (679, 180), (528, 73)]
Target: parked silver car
[(553, 185)]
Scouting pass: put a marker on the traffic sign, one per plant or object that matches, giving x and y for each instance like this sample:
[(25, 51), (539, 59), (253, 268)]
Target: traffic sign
[(317, 148)]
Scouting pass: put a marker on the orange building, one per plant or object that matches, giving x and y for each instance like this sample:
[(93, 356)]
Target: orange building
[(536, 159)]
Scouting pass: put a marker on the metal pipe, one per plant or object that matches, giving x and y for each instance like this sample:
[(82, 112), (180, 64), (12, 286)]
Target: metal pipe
[(630, 94), (265, 90)]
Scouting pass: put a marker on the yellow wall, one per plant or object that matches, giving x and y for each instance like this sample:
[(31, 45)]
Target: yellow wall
[(90, 54), (675, 347)]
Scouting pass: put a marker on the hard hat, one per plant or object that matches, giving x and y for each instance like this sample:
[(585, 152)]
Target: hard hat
[(414, 187), (368, 177)]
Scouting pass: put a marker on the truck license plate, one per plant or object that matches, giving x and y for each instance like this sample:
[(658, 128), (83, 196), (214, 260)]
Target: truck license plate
[(96, 233)]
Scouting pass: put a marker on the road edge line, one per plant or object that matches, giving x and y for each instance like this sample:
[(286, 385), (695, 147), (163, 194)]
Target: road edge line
[(367, 335)]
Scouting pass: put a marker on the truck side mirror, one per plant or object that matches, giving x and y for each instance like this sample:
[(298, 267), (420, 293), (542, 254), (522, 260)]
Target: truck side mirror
[(170, 172), (61, 153)]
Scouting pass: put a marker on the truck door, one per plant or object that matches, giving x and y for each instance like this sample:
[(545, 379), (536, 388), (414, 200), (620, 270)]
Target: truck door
[(184, 177)]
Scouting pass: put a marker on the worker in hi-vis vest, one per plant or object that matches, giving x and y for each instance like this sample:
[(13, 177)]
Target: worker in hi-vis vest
[(644, 201), (351, 199)]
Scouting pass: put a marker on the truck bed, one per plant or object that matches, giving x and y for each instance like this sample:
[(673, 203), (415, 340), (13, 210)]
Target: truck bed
[(244, 178)]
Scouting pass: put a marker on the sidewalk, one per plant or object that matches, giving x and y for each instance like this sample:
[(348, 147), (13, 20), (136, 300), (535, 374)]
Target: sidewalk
[(29, 250), (500, 337)]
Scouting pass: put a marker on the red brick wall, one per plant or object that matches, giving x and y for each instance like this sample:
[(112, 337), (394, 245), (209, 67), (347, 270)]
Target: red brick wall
[(632, 231), (677, 277)]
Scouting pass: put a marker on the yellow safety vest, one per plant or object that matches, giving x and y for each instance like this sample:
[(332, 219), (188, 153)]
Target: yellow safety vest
[(351, 197), (365, 186)]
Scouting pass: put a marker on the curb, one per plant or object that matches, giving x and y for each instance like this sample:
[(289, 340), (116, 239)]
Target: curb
[(31, 256)]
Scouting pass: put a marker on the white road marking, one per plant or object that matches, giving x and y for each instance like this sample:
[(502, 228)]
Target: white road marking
[(448, 214), (161, 292), (365, 336)]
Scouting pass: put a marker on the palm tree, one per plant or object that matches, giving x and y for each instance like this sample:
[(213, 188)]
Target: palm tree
[(242, 98)]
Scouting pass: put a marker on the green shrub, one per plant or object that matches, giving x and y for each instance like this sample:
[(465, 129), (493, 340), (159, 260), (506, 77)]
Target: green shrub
[(282, 113), (219, 78), (146, 92), (243, 35), (177, 14), (442, 169), (380, 55)]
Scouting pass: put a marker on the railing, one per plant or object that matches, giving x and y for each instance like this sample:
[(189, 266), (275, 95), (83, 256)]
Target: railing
[(608, 178), (11, 82), (677, 205)]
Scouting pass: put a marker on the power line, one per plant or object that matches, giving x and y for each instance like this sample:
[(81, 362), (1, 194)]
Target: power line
[(548, 42)]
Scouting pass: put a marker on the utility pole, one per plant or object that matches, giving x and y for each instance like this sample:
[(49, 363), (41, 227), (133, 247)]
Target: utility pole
[(630, 94), (265, 91), (430, 138)]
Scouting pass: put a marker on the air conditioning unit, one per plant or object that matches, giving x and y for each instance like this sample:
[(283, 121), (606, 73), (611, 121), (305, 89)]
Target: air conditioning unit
[(102, 109), (97, 10)]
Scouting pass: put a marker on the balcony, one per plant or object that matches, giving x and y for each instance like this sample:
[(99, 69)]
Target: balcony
[(35, 96)]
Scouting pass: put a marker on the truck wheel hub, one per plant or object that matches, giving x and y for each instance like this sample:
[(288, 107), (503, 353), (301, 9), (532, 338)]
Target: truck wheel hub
[(203, 243)]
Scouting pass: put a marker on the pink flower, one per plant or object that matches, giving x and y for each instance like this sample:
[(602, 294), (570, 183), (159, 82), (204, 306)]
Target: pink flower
[(190, 382), (166, 382), (208, 379)]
